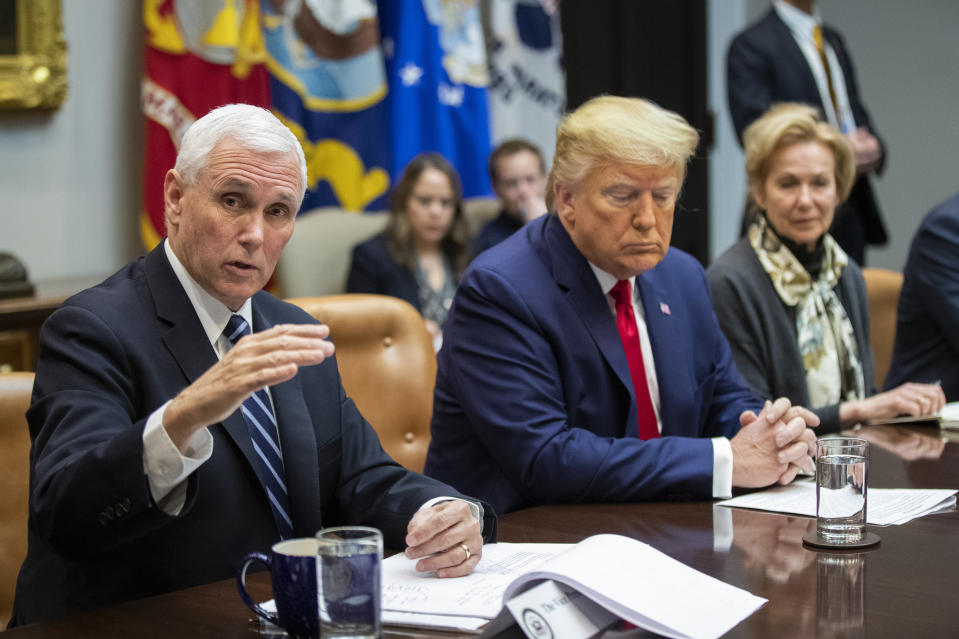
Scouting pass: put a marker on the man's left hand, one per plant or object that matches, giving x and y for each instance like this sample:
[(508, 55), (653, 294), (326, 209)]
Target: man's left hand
[(441, 535)]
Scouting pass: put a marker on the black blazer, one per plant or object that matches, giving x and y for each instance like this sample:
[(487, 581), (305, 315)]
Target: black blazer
[(373, 270), (108, 358), (764, 65)]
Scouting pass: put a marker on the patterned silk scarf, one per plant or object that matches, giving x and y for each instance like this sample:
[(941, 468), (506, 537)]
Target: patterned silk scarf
[(827, 344)]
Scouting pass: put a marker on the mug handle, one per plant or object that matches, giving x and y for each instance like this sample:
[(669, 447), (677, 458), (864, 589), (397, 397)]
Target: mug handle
[(241, 587)]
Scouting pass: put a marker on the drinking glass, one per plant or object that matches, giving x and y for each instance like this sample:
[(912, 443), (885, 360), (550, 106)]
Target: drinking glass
[(841, 485), (349, 581)]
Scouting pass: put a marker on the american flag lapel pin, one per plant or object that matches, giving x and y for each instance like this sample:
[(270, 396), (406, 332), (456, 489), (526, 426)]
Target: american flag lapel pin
[(664, 308)]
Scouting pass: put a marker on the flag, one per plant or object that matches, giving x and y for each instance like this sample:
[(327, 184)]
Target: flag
[(199, 55), (328, 84), (527, 82), (437, 77)]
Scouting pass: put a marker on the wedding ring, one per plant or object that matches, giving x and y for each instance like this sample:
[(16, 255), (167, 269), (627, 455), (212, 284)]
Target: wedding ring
[(467, 549), (921, 400)]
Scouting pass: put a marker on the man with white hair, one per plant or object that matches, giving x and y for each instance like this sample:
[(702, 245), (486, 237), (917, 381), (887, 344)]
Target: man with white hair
[(582, 360), (182, 418)]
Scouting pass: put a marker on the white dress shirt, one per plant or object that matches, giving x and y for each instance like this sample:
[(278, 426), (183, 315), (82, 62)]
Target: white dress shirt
[(801, 25), (722, 450)]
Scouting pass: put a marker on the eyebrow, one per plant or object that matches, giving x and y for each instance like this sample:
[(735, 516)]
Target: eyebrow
[(236, 184)]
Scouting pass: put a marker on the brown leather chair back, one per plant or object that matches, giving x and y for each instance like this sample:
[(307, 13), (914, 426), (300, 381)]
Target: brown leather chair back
[(882, 289), (386, 360), (15, 391)]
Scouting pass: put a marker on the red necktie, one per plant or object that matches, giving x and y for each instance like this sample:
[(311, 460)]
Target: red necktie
[(629, 334)]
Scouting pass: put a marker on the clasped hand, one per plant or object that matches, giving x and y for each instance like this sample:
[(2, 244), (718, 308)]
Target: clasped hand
[(773, 446), (256, 361)]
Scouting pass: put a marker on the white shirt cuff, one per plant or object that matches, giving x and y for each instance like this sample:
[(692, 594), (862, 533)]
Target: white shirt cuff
[(166, 467), (476, 509), (722, 467)]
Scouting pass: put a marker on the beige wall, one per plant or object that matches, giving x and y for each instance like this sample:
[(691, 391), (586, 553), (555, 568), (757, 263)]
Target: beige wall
[(70, 179)]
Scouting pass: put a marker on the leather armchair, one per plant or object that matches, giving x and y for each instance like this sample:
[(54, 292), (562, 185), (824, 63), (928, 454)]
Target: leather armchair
[(386, 360), (15, 391), (882, 291)]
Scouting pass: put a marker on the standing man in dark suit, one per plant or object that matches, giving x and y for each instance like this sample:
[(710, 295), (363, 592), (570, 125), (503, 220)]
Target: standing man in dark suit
[(583, 361), (790, 56), (166, 446), (927, 327)]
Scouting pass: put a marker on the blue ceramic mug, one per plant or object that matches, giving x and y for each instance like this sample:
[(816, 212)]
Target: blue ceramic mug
[(292, 565)]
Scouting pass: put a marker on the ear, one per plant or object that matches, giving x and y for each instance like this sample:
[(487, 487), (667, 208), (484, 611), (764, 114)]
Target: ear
[(563, 201), (759, 196), (173, 188)]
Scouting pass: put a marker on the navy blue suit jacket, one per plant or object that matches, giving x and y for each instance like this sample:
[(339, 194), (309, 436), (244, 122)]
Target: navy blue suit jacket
[(927, 328), (496, 230), (373, 270), (764, 65), (534, 403), (108, 358)]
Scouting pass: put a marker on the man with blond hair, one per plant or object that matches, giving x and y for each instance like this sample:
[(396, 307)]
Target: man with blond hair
[(582, 360)]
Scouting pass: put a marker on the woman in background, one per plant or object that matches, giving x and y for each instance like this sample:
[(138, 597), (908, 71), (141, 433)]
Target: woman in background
[(423, 250), (791, 303)]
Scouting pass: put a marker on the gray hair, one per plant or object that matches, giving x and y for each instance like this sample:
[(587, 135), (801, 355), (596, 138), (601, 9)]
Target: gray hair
[(253, 127)]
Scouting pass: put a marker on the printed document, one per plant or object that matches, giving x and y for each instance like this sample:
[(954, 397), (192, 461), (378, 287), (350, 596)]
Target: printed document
[(884, 506)]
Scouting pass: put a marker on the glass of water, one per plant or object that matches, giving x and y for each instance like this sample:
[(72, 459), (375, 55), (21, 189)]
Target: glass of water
[(348, 562), (841, 483)]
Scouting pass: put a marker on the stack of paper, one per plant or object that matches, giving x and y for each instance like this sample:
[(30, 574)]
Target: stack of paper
[(885, 506), (631, 579), (421, 600)]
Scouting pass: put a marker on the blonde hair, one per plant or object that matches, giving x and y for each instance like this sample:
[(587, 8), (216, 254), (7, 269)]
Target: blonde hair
[(609, 130), (790, 123)]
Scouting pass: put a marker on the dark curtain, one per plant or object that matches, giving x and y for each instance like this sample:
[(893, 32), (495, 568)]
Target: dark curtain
[(654, 49)]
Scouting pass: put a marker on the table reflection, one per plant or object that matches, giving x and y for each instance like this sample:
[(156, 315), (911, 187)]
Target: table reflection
[(905, 443), (771, 543), (840, 594)]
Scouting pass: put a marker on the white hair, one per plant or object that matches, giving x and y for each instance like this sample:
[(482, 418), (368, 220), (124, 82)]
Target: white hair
[(253, 127)]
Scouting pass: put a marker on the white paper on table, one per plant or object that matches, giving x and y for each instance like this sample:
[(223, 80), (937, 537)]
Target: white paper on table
[(479, 594), (456, 623), (885, 506), (632, 579), (649, 588)]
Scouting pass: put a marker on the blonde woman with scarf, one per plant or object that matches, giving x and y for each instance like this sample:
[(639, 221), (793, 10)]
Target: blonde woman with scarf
[(791, 303)]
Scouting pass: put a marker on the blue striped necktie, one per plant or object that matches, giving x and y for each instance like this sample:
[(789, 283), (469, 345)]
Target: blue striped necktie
[(261, 423)]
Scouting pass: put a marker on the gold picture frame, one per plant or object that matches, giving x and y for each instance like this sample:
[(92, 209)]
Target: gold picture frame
[(33, 74)]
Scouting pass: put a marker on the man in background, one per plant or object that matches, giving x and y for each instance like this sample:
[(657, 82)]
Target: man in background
[(927, 327), (791, 56), (518, 174)]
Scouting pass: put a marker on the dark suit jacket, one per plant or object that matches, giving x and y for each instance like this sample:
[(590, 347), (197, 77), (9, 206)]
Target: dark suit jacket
[(373, 270), (762, 330), (108, 358), (927, 330), (764, 65), (496, 230), (534, 402)]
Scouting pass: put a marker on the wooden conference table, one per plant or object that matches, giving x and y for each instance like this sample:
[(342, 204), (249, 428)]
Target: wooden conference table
[(907, 586)]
